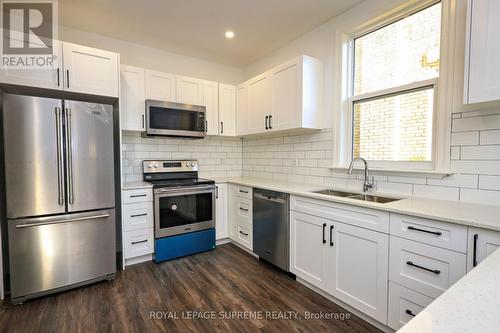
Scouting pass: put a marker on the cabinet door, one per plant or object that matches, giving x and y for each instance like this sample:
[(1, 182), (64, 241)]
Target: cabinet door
[(481, 244), (484, 52), (211, 102), (160, 86), (358, 268), (90, 71), (286, 91), (189, 90), (259, 103), (42, 78), (308, 248), (221, 213), (242, 109), (132, 98), (227, 110)]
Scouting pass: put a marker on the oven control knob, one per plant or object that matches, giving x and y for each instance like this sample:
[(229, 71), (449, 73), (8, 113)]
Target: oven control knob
[(156, 165), (187, 164), (150, 165), (192, 164)]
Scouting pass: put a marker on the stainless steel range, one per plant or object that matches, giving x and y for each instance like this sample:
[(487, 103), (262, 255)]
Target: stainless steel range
[(184, 208)]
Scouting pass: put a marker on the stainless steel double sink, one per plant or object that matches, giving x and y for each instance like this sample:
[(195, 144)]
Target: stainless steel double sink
[(357, 196)]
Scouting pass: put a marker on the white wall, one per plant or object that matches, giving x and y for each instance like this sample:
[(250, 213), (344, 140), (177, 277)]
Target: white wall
[(143, 56)]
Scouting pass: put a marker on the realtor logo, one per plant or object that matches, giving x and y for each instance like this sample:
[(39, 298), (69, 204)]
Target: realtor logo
[(29, 34)]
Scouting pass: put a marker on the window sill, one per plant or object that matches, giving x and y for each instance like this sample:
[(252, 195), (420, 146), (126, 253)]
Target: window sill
[(439, 174)]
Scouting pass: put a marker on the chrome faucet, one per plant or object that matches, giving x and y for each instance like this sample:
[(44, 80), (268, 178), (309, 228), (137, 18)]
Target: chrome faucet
[(367, 184)]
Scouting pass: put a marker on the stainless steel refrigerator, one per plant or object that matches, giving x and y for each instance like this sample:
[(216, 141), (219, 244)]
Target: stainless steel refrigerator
[(59, 178)]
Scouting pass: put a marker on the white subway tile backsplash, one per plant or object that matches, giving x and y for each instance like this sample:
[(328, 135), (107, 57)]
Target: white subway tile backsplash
[(480, 196), (465, 138), (401, 189), (490, 137), (476, 123), (456, 180), (489, 182), (436, 192), (480, 153), (476, 167)]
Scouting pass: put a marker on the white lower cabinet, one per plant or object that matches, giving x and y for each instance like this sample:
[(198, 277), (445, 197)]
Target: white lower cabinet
[(404, 304), (221, 212), (240, 215), (347, 262), (481, 244), (137, 225), (426, 269)]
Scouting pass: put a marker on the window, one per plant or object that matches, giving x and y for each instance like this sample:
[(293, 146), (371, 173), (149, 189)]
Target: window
[(395, 71)]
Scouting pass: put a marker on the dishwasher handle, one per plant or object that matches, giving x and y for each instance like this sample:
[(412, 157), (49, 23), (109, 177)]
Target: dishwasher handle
[(269, 197)]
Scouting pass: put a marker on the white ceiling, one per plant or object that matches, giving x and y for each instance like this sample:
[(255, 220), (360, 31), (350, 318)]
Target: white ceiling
[(196, 27)]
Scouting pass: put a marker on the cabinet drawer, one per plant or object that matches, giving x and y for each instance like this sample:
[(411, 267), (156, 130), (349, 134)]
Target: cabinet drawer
[(446, 235), (245, 235), (358, 216), (244, 192), (244, 210), (138, 216), (138, 243), (134, 196), (404, 304), (427, 269)]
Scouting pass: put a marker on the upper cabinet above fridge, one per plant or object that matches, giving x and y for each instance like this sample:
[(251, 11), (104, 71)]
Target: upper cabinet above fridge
[(482, 68), (77, 69)]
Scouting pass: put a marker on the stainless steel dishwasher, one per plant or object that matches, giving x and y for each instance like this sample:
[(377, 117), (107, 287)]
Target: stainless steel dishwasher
[(271, 227)]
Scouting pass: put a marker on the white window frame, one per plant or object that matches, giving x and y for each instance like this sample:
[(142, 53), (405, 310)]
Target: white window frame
[(443, 89)]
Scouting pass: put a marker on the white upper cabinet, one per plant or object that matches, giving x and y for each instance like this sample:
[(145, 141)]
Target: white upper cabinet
[(90, 71), (242, 109), (78, 69), (189, 90), (227, 110), (41, 78), (482, 75), (259, 103), (132, 106), (160, 86), (211, 102), (286, 97)]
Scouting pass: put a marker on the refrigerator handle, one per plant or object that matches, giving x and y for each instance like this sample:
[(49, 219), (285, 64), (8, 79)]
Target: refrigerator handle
[(60, 188), (69, 157)]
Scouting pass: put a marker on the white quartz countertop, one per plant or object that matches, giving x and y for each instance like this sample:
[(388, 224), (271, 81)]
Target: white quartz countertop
[(470, 305), (136, 185), (481, 216)]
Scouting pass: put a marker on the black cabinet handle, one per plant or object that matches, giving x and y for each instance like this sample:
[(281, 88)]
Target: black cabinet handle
[(243, 191), (206, 126), (143, 125), (139, 242), (138, 195), (437, 233), (221, 127), (244, 209), (267, 119), (331, 235), (408, 312), (58, 80), (137, 215), (67, 77), (435, 271), (474, 256), (216, 192), (244, 234), (324, 226), (270, 124)]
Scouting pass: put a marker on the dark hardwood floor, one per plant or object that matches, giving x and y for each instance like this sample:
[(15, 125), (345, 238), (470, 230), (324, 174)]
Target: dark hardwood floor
[(227, 282)]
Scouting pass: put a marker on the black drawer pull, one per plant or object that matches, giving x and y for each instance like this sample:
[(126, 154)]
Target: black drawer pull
[(324, 226), (243, 191), (331, 235), (138, 195), (138, 215), (139, 242), (408, 312), (435, 271), (474, 256), (244, 209), (437, 233), (244, 234)]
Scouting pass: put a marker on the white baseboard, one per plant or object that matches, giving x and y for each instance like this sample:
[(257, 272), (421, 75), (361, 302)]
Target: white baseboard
[(138, 260)]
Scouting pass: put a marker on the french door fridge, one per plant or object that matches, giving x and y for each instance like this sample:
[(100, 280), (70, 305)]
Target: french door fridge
[(59, 178)]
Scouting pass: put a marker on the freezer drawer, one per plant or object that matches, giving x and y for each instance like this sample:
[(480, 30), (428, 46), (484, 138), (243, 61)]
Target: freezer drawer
[(60, 251)]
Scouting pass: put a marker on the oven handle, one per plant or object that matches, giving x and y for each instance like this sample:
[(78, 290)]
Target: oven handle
[(186, 189)]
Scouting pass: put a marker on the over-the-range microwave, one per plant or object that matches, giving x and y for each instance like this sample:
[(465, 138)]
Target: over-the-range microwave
[(175, 119)]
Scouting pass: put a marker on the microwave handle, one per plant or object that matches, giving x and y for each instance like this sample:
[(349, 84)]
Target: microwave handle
[(143, 125), (221, 127)]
